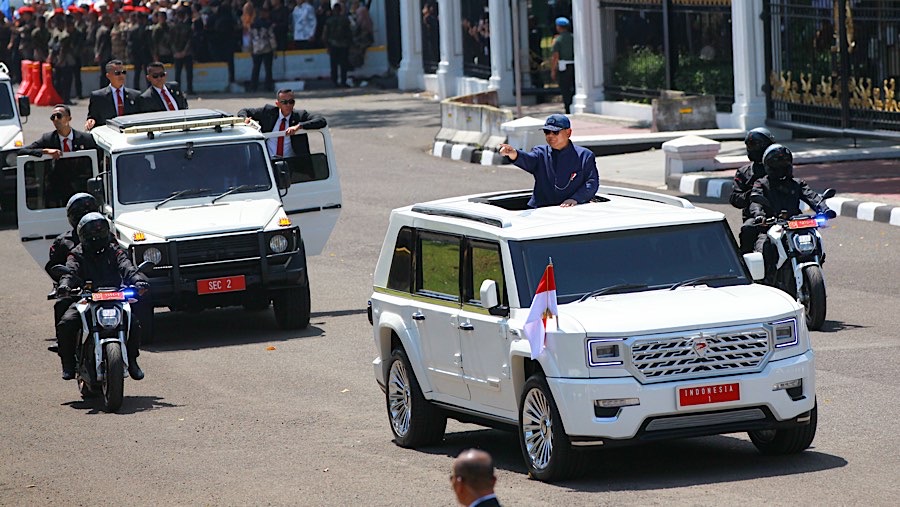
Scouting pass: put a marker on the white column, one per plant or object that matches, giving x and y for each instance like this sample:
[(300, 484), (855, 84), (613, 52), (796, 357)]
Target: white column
[(589, 54), (748, 41), (450, 69), (501, 50), (410, 74)]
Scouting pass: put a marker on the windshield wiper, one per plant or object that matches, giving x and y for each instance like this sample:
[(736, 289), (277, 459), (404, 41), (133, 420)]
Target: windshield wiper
[(704, 278), (613, 288), (239, 188), (176, 195)]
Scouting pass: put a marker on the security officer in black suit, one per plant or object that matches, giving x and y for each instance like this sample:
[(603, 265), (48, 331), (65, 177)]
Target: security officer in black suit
[(113, 100), (283, 117), (63, 180), (161, 95)]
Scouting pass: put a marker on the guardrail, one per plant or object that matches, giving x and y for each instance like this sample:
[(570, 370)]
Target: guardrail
[(471, 128)]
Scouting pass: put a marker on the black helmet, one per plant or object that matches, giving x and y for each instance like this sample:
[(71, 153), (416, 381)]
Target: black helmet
[(757, 141), (93, 232), (779, 162), (80, 205)]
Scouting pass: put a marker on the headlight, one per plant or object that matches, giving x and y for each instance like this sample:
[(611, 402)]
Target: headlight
[(153, 255), (10, 158), (603, 352), (278, 243), (805, 243), (109, 317), (785, 333)]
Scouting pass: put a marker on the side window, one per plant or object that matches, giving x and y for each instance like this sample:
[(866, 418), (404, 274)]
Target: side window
[(400, 276), (310, 164), (49, 183), (106, 170), (438, 266), (486, 264)]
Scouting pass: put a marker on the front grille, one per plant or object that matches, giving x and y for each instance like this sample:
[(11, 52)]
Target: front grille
[(679, 356), (223, 248), (692, 421)]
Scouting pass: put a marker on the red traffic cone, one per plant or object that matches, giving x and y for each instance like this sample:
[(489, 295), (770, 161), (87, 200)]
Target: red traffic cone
[(24, 84), (34, 80), (47, 95)]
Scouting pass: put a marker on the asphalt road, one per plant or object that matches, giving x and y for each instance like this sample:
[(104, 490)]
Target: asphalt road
[(222, 420)]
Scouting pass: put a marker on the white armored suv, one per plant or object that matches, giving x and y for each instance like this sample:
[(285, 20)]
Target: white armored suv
[(195, 192), (660, 333), (12, 109)]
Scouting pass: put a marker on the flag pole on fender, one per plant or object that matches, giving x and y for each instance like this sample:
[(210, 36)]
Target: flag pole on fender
[(543, 307)]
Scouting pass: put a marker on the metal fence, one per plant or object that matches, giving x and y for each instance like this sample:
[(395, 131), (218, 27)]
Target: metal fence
[(431, 36), (833, 63), (669, 44), (476, 36)]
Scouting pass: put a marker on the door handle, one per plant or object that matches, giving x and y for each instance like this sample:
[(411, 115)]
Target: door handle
[(467, 326), (418, 316)]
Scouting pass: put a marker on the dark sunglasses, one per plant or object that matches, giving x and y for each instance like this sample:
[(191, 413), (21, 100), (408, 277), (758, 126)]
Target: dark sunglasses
[(119, 72), (548, 132), (158, 75), (286, 102), (56, 116)]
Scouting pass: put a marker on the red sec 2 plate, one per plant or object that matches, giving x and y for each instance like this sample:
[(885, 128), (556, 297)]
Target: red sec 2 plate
[(703, 395), (223, 284)]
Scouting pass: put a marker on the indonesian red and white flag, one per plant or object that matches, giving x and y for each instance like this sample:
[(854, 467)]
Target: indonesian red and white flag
[(543, 308)]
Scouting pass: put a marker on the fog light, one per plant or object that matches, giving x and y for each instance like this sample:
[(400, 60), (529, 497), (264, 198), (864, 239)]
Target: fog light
[(788, 385)]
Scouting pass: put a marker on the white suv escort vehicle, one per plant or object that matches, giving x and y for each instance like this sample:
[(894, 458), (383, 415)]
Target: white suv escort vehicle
[(12, 109), (194, 191), (661, 331)]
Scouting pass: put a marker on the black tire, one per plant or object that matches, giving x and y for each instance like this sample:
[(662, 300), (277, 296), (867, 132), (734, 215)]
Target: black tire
[(414, 421), (114, 381), (292, 307), (548, 453), (257, 304), (814, 284), (786, 441)]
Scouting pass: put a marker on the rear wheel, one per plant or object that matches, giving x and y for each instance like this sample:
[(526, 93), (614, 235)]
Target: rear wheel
[(814, 286), (786, 441), (292, 307), (414, 421), (114, 380), (545, 446)]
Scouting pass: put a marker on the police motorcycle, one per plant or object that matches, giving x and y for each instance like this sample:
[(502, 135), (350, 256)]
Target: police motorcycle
[(800, 255), (101, 356)]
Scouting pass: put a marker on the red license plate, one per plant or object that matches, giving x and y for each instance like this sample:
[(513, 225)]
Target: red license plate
[(803, 224), (703, 395), (224, 284), (108, 296)]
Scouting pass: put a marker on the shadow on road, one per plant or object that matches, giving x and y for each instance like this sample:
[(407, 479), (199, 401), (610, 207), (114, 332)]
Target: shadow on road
[(833, 326), (669, 464), (130, 404)]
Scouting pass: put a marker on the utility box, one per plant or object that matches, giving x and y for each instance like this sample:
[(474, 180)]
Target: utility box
[(674, 111)]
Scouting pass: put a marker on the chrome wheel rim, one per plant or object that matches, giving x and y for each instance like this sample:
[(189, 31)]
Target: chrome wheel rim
[(537, 429), (399, 408)]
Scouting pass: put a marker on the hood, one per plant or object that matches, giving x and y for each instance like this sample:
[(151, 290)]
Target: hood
[(172, 222), (684, 308)]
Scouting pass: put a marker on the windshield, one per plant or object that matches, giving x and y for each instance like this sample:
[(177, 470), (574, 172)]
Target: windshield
[(7, 108), (212, 170), (649, 258)]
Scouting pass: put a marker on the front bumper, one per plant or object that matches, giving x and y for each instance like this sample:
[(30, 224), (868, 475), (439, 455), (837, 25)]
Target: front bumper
[(659, 416)]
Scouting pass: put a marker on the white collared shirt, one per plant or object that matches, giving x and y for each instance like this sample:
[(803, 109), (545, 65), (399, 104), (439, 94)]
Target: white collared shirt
[(163, 92), (70, 137), (272, 143)]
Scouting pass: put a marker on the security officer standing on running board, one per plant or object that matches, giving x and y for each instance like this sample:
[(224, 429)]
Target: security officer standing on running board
[(564, 174)]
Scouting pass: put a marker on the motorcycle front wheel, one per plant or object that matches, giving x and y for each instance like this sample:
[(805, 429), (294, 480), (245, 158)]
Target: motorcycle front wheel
[(814, 286), (114, 380)]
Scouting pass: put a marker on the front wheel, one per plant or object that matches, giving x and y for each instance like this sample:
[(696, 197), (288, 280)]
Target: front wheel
[(291, 307), (545, 446), (414, 421), (786, 441), (814, 286), (114, 380)]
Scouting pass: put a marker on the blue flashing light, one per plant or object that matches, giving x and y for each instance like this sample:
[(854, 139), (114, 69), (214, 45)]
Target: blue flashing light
[(129, 293), (821, 219)]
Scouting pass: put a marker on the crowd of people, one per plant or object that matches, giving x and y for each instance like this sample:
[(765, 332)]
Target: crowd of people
[(180, 33)]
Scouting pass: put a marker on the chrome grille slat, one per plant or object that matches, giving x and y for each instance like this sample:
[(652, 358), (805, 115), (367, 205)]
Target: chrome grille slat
[(226, 248), (662, 358)]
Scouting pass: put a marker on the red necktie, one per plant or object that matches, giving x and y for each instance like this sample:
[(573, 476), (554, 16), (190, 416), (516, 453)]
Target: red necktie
[(165, 95), (280, 150), (66, 144), (120, 104)]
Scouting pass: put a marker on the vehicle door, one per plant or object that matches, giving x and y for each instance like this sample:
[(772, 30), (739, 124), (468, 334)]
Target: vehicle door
[(435, 311), (483, 337), (314, 198), (43, 187)]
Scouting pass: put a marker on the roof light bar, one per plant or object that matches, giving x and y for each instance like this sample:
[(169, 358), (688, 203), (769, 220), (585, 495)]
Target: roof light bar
[(184, 125)]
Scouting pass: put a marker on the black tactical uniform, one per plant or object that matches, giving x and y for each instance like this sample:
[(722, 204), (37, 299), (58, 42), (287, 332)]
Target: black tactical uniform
[(756, 141)]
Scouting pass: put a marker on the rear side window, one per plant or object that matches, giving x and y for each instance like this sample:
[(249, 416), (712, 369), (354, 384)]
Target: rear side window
[(400, 276), (437, 259)]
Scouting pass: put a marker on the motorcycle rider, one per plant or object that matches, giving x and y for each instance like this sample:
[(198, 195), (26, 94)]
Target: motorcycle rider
[(756, 141), (79, 205), (105, 264), (778, 194)]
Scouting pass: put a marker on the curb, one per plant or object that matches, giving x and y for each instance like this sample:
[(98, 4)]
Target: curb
[(466, 153), (720, 188)]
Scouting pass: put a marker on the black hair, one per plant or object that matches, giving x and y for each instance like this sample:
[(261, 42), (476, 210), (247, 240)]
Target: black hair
[(65, 108), (110, 65)]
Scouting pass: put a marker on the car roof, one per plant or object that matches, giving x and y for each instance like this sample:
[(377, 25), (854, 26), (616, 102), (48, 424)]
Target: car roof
[(504, 216), (172, 128)]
